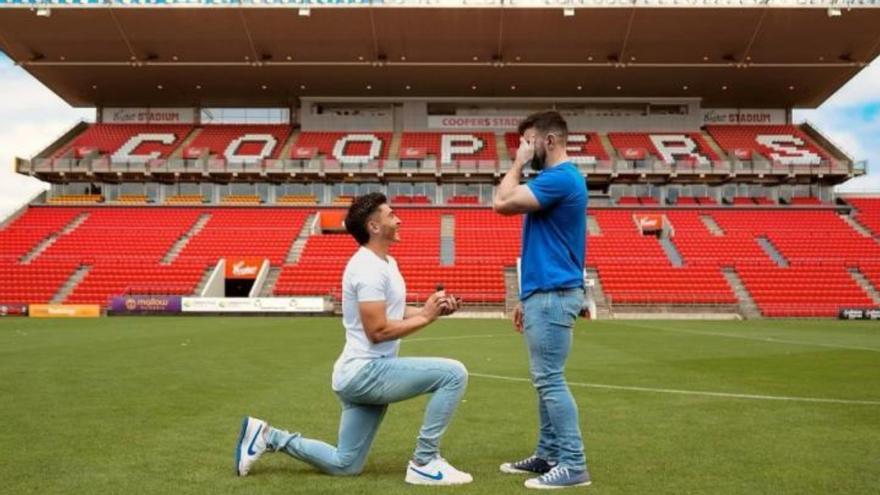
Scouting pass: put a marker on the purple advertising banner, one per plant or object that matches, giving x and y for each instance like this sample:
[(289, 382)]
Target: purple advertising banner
[(145, 304)]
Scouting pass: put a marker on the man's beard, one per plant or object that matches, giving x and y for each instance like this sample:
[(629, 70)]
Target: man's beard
[(538, 162)]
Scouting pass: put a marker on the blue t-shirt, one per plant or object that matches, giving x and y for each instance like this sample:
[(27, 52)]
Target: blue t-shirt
[(554, 237)]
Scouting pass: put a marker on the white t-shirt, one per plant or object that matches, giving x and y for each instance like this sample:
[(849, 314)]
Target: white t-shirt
[(367, 278)]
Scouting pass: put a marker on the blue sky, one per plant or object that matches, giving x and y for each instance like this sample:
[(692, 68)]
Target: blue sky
[(31, 117)]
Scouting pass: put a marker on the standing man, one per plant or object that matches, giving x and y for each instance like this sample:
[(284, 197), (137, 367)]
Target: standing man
[(368, 374), (551, 291)]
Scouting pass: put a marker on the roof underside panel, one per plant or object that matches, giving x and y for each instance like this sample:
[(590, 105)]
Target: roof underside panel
[(225, 56)]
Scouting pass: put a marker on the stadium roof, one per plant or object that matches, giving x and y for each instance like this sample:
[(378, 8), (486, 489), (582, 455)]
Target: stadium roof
[(241, 54)]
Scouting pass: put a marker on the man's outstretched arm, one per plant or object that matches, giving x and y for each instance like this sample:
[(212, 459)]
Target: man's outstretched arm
[(380, 329)]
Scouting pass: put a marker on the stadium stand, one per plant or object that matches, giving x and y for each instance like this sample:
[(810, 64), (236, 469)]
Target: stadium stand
[(634, 269), (127, 142), (353, 147), (251, 232), (185, 199), (32, 283), (582, 147), (76, 199), (298, 199), (463, 200), (450, 147), (867, 212), (818, 247), (32, 227), (323, 260), (132, 199), (239, 143), (241, 199), (413, 200), (785, 144), (115, 277), (668, 147), (123, 249)]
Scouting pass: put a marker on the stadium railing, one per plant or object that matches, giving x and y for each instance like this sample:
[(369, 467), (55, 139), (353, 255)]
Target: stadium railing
[(320, 166)]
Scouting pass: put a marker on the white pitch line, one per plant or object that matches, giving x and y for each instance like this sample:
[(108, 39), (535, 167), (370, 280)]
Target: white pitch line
[(773, 340), (725, 395), (461, 337)]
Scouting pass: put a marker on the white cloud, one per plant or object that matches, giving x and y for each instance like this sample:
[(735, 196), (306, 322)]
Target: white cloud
[(31, 118), (863, 184), (15, 190)]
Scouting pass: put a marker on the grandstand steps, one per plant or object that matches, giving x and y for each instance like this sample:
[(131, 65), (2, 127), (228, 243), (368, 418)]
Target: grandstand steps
[(181, 243), (299, 244), (178, 153), (447, 240), (268, 288), (609, 147), (747, 305), (69, 286), (856, 225), (866, 285), (713, 145), (671, 250), (394, 147), (593, 227), (45, 243), (203, 281), (501, 147), (712, 225), (511, 289), (772, 252), (296, 250), (603, 310), (288, 145)]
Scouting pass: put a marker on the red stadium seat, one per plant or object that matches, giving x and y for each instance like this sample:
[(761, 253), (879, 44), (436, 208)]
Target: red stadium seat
[(784, 144), (669, 147), (348, 147), (449, 147), (242, 142)]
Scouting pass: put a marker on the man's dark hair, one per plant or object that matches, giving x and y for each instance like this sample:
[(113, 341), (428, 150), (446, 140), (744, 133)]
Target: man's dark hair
[(358, 213), (545, 123)]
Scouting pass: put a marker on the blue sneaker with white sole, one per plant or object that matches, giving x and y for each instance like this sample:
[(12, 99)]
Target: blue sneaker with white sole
[(529, 465), (560, 477), (251, 444)]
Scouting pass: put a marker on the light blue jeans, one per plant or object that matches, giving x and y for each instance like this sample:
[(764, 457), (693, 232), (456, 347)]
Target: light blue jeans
[(548, 320), (364, 402)]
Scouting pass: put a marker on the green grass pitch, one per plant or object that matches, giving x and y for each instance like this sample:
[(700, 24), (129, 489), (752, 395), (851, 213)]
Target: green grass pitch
[(153, 405)]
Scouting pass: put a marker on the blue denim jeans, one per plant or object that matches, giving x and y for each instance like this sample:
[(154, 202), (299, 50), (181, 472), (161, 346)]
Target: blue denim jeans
[(364, 402), (548, 320)]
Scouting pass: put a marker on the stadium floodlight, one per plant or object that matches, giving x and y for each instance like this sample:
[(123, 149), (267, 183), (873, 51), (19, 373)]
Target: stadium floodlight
[(568, 12), (834, 12), (305, 12), (44, 12)]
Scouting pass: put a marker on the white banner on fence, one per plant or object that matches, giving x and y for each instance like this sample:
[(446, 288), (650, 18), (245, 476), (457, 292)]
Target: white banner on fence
[(149, 116), (253, 304)]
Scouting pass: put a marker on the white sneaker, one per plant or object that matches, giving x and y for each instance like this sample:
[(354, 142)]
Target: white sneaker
[(437, 472), (251, 444)]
